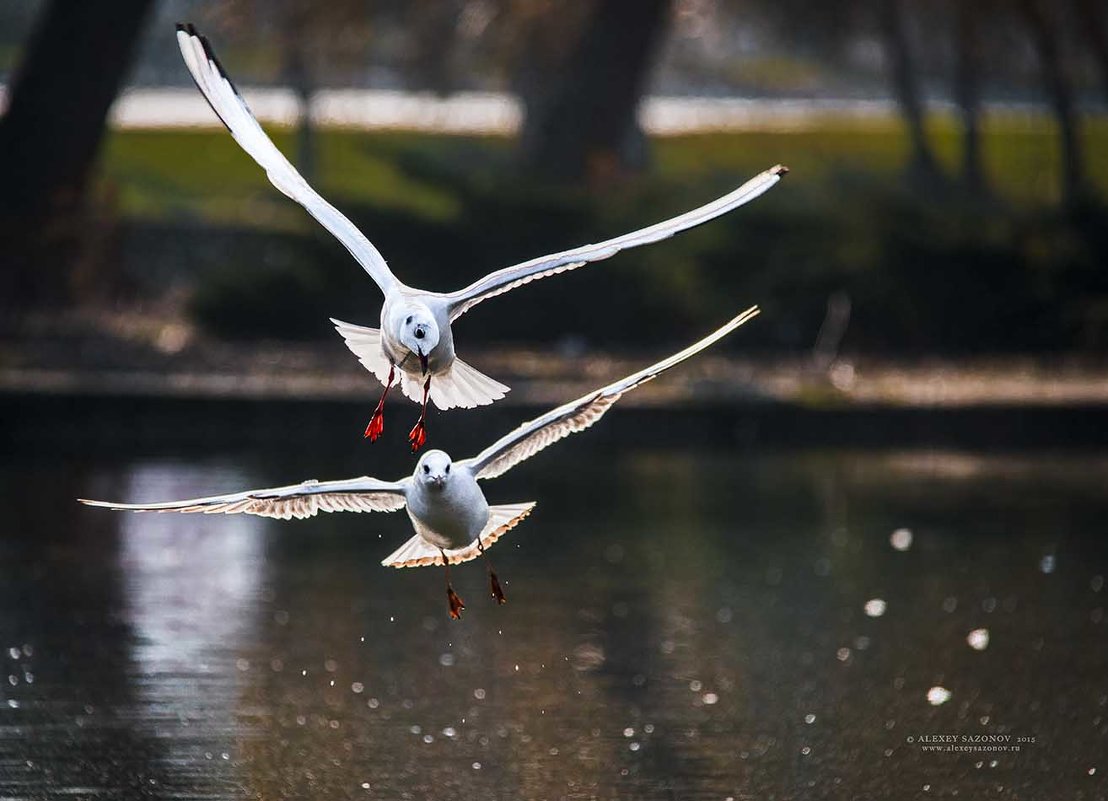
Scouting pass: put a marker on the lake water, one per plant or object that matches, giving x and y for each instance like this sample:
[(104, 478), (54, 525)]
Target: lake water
[(683, 623)]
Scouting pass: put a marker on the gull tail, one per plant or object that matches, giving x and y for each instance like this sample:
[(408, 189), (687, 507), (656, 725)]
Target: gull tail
[(461, 386), (418, 552), (464, 387), (365, 343)]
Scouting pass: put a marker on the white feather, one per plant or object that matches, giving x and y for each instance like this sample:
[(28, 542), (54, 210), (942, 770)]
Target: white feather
[(418, 552)]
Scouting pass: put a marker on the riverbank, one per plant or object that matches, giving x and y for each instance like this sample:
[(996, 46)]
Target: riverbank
[(144, 381)]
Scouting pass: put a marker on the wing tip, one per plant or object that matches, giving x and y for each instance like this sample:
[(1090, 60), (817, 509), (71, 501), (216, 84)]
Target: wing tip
[(779, 170)]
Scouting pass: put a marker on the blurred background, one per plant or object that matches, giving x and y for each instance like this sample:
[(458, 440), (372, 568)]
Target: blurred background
[(876, 512), (947, 193)]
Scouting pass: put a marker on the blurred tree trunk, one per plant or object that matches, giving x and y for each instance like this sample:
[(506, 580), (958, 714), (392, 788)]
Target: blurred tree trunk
[(922, 165), (294, 28), (967, 92), (1092, 20), (434, 27), (72, 69), (1044, 36), (581, 120)]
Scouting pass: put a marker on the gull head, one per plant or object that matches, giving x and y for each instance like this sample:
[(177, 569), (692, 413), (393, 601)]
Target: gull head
[(419, 332), (433, 470)]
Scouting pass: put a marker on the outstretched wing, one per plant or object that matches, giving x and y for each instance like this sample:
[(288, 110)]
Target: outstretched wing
[(509, 278), (363, 494), (229, 106), (532, 437)]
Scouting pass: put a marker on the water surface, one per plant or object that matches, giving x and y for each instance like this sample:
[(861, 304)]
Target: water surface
[(682, 624)]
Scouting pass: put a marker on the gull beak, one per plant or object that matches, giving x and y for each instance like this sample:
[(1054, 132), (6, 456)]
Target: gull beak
[(423, 361)]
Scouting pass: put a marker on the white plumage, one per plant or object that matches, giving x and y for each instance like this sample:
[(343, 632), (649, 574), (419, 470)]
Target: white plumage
[(415, 334), (452, 520)]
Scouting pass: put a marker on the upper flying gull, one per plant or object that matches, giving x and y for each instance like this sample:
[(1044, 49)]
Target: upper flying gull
[(453, 521), (415, 335)]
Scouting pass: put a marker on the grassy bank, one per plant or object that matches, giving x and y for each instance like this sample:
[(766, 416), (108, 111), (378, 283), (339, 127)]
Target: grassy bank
[(936, 273)]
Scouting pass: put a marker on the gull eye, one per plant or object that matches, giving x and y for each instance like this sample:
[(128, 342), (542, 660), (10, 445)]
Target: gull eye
[(448, 468), (426, 468), (409, 320)]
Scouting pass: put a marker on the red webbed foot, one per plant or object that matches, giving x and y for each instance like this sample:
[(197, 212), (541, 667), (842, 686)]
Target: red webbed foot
[(377, 422), (456, 603), (418, 435), (376, 426)]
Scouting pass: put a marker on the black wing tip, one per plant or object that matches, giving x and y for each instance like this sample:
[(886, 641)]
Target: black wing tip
[(780, 170), (190, 29)]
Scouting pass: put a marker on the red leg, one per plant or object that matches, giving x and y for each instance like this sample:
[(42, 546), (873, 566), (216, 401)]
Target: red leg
[(455, 600), (418, 435), (494, 582), (377, 422)]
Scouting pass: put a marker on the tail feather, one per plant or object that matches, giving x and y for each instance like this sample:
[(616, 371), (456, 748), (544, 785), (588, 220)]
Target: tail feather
[(365, 343), (465, 387), (418, 552), (461, 386)]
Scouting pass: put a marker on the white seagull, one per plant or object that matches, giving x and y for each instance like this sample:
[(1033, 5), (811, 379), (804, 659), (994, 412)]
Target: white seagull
[(452, 520), (415, 337)]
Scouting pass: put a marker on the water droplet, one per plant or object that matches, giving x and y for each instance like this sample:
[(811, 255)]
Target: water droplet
[(1097, 583), (648, 728), (695, 686), (724, 614), (476, 765), (1047, 563), (842, 654), (446, 660), (938, 695), (634, 746), (950, 603), (365, 785), (427, 738), (805, 750), (710, 698), (809, 718), (416, 729), (875, 607), (901, 539), (449, 731), (628, 732), (479, 694), (357, 687), (978, 639), (373, 703)]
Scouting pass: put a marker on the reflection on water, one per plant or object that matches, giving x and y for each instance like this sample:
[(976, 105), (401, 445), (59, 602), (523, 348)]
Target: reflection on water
[(681, 625)]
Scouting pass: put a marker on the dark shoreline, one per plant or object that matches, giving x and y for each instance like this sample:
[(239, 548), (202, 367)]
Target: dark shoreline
[(50, 421)]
